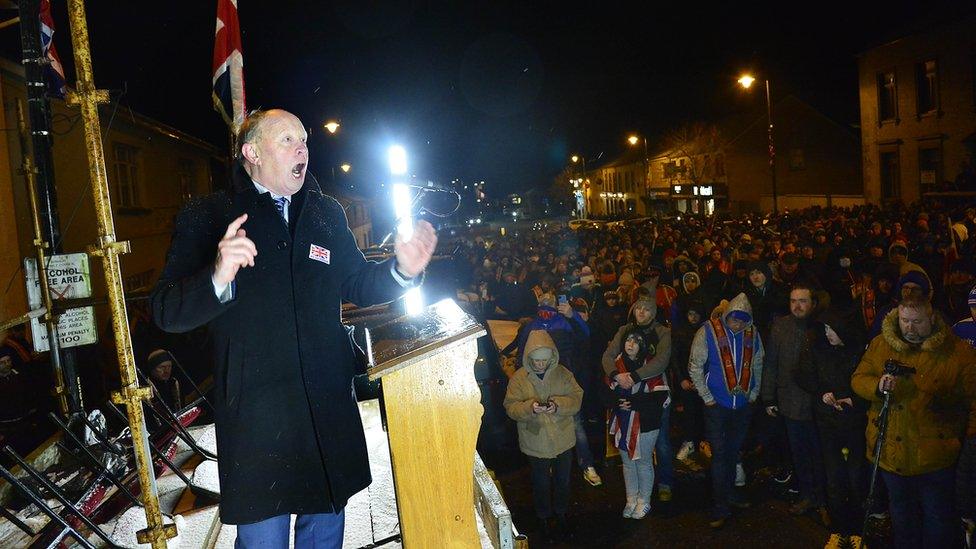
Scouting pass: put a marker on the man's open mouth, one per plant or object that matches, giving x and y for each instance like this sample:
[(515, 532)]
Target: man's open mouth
[(298, 170)]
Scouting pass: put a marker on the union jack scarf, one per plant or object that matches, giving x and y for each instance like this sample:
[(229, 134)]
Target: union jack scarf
[(625, 424)]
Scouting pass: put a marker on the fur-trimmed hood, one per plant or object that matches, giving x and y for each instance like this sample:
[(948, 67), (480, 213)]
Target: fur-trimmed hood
[(892, 334)]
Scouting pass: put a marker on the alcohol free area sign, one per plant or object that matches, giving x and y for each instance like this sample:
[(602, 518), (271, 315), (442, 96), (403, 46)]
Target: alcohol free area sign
[(69, 277)]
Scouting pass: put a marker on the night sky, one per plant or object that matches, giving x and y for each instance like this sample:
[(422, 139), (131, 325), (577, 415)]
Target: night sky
[(500, 92)]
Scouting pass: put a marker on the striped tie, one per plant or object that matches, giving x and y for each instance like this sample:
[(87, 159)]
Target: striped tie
[(281, 203)]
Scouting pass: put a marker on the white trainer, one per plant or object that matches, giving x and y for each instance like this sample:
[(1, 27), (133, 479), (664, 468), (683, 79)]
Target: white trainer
[(643, 508), (590, 475), (630, 508)]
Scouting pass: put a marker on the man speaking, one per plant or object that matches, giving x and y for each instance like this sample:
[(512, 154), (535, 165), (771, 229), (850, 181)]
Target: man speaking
[(266, 266)]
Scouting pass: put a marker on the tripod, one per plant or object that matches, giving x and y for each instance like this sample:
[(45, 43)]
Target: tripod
[(882, 423)]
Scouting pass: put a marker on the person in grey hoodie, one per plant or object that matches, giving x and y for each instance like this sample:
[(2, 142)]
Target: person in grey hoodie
[(542, 398), (725, 365)]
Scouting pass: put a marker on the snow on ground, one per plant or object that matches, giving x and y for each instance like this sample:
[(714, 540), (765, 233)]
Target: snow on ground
[(204, 435), (133, 520), (382, 494), (371, 515), (205, 476), (197, 527)]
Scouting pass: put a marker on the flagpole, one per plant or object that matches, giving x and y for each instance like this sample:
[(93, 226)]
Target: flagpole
[(228, 76)]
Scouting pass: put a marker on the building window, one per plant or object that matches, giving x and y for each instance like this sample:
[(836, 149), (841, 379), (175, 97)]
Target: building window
[(887, 97), (797, 161), (927, 84), (890, 175), (186, 177), (929, 168), (126, 171)]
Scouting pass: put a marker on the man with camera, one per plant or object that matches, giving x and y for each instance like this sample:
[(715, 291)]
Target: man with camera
[(930, 375)]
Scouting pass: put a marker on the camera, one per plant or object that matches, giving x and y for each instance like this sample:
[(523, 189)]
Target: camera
[(897, 368)]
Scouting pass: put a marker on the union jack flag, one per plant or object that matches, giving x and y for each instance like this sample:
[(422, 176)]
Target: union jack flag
[(228, 66), (55, 72)]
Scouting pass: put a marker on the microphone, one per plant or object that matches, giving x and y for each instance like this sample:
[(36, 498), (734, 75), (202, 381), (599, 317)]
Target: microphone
[(431, 186), (436, 198)]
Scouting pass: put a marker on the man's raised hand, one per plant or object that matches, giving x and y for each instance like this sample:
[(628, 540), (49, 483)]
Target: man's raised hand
[(413, 255), (235, 250)]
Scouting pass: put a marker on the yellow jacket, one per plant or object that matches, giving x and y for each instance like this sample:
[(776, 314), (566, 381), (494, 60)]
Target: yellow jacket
[(931, 410), (543, 435)]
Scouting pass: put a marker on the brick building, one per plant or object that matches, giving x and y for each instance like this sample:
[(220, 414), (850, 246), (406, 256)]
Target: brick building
[(153, 169), (817, 162), (918, 114)]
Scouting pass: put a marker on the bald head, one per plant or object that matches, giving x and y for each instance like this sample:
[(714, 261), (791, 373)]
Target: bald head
[(273, 150)]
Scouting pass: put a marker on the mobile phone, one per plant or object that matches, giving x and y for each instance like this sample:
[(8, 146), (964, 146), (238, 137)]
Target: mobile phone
[(563, 300)]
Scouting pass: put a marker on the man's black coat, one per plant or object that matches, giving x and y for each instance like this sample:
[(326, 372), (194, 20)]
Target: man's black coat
[(289, 435)]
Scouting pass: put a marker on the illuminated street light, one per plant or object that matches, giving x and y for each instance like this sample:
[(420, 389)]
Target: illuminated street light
[(633, 140), (331, 126), (746, 81), (345, 168), (577, 159)]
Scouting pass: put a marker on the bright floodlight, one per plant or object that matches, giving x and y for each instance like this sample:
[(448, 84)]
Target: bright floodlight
[(331, 126), (413, 301), (633, 139), (398, 160), (746, 80), (345, 168), (401, 208), (575, 158)]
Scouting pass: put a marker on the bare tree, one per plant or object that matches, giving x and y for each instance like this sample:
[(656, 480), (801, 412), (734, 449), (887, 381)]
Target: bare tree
[(698, 144)]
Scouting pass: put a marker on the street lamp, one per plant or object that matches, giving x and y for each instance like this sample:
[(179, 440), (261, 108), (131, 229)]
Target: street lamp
[(746, 81), (633, 140), (331, 126), (578, 159), (345, 168)]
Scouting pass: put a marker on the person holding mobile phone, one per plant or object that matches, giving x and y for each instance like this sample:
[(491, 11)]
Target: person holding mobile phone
[(836, 343), (543, 398)]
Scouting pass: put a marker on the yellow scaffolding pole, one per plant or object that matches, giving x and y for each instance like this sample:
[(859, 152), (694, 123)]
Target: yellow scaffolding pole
[(40, 250), (131, 395)]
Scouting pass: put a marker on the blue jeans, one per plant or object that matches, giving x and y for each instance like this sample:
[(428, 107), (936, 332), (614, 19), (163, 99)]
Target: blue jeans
[(726, 430), (922, 513), (665, 454), (584, 457), (807, 462), (550, 484), (321, 531), (639, 473)]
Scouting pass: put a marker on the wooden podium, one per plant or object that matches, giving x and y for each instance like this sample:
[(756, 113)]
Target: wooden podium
[(433, 414)]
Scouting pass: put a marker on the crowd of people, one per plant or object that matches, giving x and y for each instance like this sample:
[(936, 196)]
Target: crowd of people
[(788, 331)]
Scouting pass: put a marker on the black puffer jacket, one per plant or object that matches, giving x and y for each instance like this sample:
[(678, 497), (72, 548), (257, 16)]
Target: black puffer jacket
[(828, 369)]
